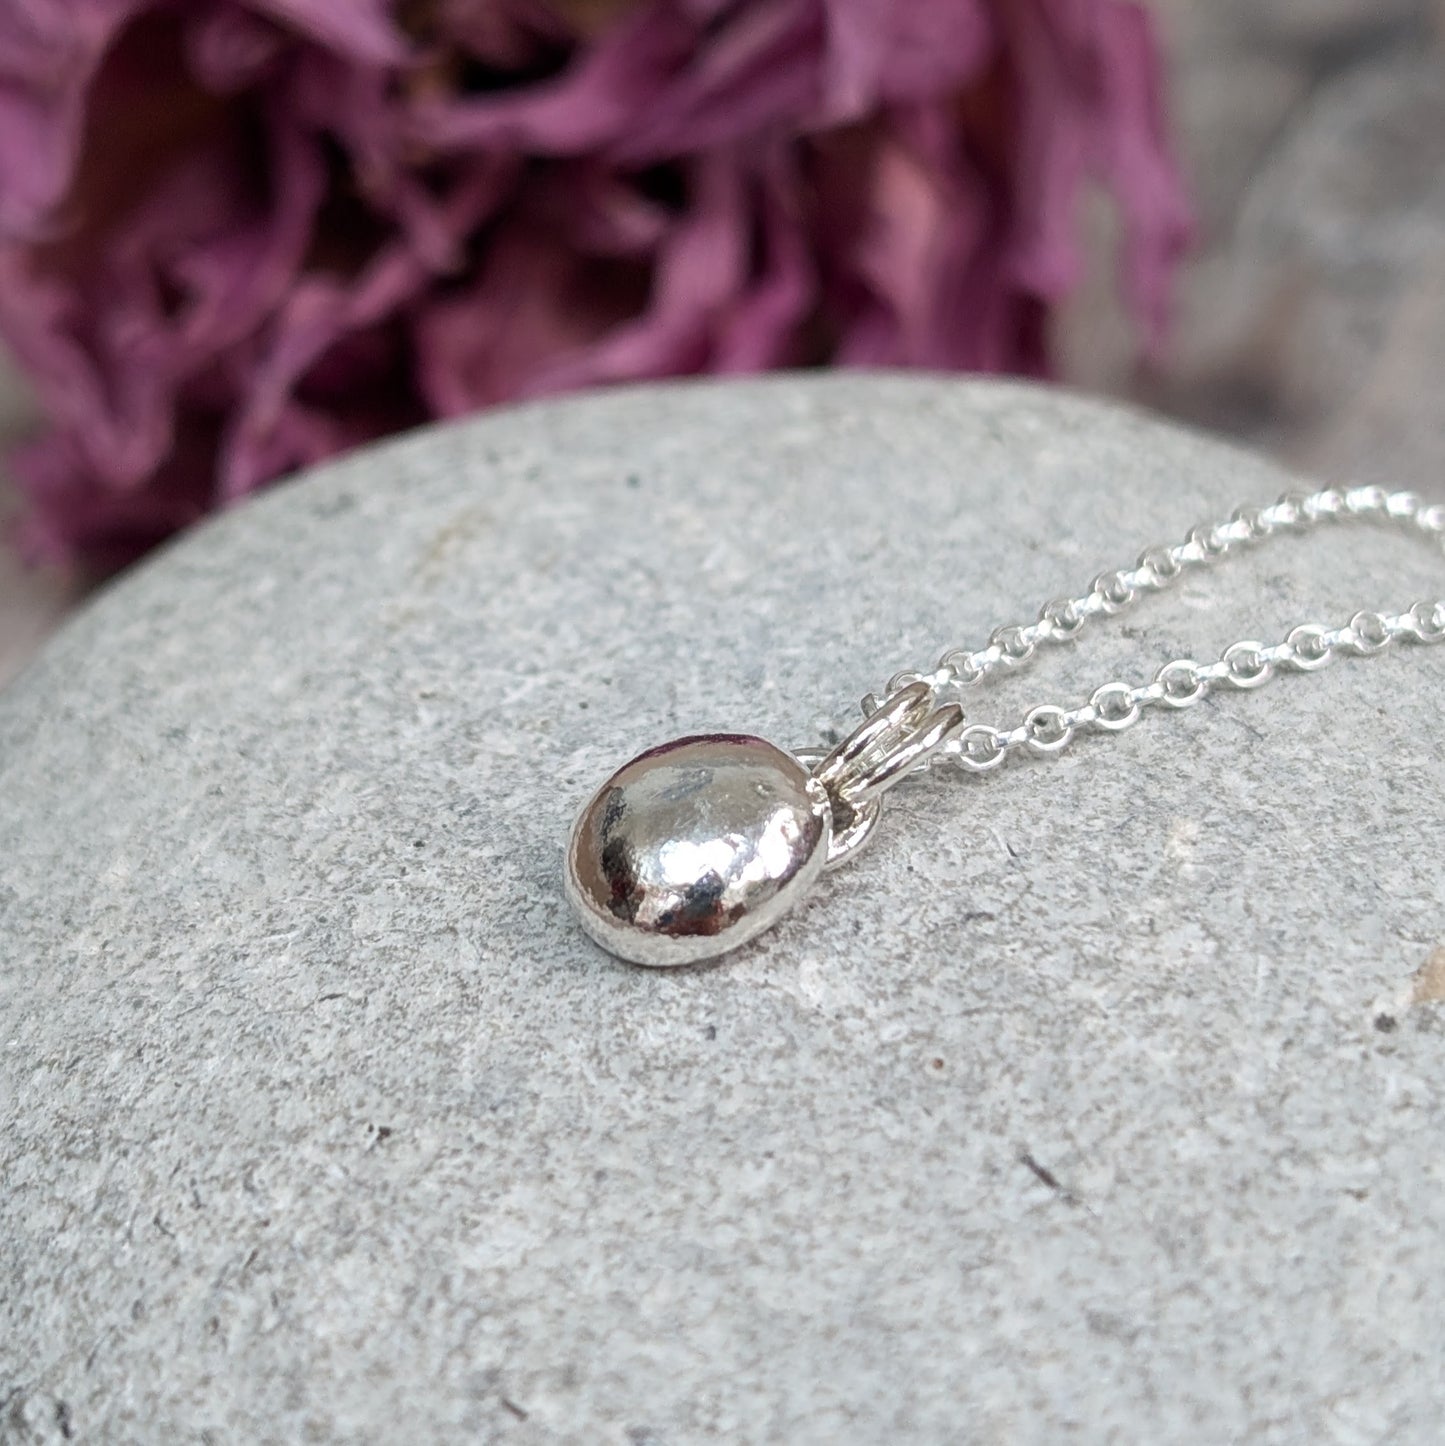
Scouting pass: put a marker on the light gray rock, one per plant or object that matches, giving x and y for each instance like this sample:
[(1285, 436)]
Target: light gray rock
[(1310, 319), (1099, 1100), (1316, 325)]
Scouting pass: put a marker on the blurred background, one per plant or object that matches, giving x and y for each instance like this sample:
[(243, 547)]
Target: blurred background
[(1309, 316)]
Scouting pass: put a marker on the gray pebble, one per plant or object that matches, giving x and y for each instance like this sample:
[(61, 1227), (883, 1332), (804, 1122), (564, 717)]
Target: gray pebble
[(1099, 1100)]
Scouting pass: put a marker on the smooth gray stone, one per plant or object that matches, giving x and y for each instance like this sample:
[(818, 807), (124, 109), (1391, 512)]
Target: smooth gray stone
[(1099, 1100)]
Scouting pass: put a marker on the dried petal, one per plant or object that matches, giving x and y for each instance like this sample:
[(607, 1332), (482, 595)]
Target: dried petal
[(237, 236)]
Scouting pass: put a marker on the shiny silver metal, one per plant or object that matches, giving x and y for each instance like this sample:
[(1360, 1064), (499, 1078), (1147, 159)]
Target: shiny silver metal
[(1048, 730), (891, 742), (698, 846)]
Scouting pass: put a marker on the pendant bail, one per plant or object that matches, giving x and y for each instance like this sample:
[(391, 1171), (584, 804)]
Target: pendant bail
[(892, 742)]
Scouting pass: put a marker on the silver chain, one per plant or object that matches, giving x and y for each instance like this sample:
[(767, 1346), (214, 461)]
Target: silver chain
[(1049, 729)]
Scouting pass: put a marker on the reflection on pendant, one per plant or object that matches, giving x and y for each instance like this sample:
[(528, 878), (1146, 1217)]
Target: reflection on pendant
[(696, 847)]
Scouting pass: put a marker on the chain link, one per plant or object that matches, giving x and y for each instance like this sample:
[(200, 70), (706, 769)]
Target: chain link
[(1048, 730)]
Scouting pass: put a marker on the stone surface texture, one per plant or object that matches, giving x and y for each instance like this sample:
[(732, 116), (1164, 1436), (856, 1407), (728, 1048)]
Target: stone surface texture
[(1098, 1101)]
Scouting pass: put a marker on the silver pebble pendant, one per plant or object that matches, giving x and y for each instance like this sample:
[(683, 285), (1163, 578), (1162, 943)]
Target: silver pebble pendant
[(698, 846)]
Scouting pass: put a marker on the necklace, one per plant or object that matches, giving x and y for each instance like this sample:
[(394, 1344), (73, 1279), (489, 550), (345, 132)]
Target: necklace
[(699, 845)]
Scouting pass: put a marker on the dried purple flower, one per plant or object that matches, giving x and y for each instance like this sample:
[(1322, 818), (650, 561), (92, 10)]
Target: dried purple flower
[(237, 236)]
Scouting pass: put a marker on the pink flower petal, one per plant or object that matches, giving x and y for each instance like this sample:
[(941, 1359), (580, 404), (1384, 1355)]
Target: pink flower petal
[(1080, 117), (318, 312), (761, 328), (881, 51), (360, 30), (536, 300), (1136, 157), (760, 68), (229, 49), (49, 53), (299, 224), (589, 106)]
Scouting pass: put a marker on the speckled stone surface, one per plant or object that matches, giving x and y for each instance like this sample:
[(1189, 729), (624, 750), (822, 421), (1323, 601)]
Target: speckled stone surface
[(1099, 1100)]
